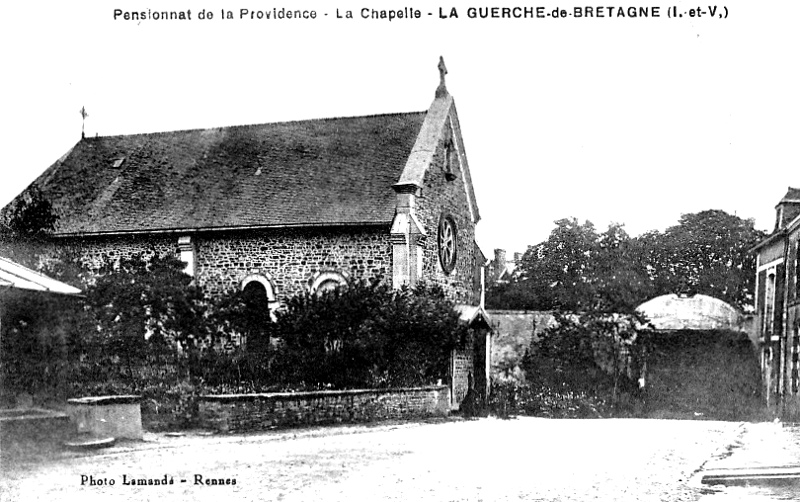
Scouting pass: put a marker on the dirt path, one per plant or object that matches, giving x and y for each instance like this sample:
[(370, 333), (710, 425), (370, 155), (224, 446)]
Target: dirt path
[(487, 459)]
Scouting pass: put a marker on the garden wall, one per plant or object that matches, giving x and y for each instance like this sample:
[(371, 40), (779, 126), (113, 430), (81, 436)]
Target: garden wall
[(255, 412)]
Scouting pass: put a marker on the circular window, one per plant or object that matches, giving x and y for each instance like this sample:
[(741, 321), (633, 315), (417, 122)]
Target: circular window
[(446, 239)]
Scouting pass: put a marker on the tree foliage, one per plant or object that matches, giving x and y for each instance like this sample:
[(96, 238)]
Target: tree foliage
[(368, 334), (143, 304), (707, 253), (592, 352), (579, 269), (24, 225)]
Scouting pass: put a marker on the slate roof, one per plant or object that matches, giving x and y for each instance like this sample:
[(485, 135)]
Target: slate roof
[(336, 171)]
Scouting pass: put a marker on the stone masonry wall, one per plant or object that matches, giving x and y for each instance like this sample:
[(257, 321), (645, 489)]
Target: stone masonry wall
[(97, 251), (463, 378), (290, 259), (442, 196), (256, 412)]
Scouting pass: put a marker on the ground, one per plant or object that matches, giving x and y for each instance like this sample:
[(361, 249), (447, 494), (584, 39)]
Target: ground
[(474, 460)]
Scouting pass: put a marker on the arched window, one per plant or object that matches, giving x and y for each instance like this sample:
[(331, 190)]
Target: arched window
[(327, 281)]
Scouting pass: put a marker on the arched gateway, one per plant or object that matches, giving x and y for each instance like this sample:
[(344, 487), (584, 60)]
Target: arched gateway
[(700, 359)]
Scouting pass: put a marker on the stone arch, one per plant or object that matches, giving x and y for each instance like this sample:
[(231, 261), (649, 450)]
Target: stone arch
[(264, 281), (695, 312), (326, 280)]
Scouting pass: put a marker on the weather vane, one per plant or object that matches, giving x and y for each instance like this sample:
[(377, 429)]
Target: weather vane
[(83, 124)]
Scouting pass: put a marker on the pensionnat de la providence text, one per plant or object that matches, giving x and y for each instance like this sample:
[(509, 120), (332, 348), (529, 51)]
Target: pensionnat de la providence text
[(528, 12)]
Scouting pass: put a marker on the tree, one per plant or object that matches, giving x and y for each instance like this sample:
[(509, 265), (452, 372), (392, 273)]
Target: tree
[(243, 312), (619, 274), (595, 352), (576, 267), (24, 225), (143, 306), (556, 274), (707, 252)]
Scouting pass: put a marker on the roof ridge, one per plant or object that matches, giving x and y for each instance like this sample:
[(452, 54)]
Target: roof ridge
[(241, 126)]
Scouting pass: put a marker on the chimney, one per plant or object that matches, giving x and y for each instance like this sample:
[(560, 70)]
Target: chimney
[(788, 208), (517, 257), (499, 263)]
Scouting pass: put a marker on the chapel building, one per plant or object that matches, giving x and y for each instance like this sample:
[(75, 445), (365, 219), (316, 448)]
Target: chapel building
[(284, 208)]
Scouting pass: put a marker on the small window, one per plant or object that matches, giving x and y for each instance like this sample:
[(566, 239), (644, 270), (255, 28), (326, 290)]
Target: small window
[(327, 281), (447, 241), (450, 161), (328, 285)]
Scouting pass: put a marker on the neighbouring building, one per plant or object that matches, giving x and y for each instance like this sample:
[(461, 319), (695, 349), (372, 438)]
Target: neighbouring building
[(23, 358), (501, 269), (284, 208), (778, 307)]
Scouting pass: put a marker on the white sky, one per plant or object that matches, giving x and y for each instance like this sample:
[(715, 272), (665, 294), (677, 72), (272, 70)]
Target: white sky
[(627, 120)]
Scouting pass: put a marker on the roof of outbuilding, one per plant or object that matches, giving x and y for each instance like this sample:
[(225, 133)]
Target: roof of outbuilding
[(336, 171), (697, 312), (15, 276)]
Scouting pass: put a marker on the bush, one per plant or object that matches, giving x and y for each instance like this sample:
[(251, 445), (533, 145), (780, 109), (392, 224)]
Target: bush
[(143, 327), (367, 335)]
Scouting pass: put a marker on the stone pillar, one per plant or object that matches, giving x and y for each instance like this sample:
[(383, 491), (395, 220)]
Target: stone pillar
[(186, 247), (400, 272), (405, 233)]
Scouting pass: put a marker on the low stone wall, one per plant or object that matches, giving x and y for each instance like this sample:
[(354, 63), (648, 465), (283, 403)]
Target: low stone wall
[(254, 412)]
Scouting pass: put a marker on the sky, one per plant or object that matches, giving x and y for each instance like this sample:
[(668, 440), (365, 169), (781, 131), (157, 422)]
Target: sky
[(626, 120)]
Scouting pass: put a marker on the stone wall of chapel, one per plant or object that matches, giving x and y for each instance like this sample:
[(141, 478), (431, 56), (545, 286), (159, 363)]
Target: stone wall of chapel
[(291, 258), (97, 251), (439, 196)]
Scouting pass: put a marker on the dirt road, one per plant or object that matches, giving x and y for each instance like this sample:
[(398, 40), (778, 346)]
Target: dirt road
[(479, 460)]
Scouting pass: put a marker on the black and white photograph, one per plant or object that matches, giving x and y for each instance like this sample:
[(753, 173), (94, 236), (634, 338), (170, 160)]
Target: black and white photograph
[(320, 251)]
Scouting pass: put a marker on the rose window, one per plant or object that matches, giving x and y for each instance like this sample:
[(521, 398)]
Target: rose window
[(446, 239)]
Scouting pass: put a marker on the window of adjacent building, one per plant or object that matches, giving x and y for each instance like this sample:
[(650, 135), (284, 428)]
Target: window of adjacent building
[(795, 357), (797, 270), (769, 303)]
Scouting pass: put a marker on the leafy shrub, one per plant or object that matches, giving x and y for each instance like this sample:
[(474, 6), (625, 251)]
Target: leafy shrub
[(367, 335)]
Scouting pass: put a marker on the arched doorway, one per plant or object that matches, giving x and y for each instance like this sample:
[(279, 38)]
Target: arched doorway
[(259, 304), (700, 360)]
